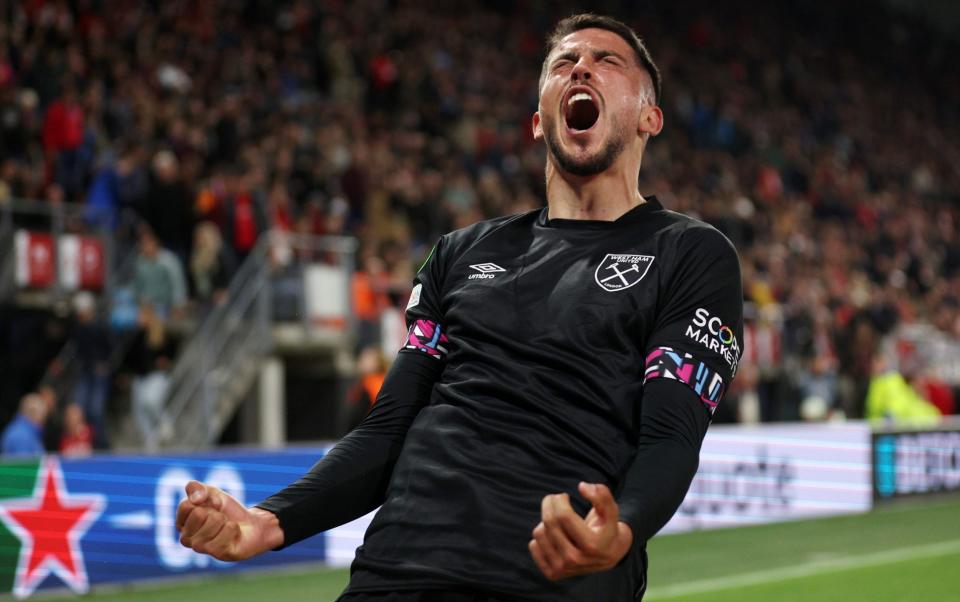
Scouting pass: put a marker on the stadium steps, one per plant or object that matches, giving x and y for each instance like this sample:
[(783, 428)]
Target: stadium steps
[(217, 364)]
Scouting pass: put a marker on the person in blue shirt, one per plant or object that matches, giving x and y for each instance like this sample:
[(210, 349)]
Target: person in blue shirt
[(24, 435)]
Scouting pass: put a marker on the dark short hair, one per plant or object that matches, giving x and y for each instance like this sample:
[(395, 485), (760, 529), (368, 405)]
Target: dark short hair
[(591, 21)]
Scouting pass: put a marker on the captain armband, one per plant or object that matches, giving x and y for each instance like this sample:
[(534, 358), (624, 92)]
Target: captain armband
[(666, 362)]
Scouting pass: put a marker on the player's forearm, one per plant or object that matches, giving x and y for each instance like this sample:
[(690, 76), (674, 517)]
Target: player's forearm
[(668, 454), (352, 478), (652, 494), (347, 483)]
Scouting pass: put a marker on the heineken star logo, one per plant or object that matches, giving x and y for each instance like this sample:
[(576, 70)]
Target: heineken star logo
[(49, 525)]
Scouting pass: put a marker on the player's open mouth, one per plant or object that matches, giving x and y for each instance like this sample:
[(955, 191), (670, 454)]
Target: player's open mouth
[(580, 111)]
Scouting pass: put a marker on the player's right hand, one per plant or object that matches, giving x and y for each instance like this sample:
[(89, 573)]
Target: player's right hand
[(212, 522)]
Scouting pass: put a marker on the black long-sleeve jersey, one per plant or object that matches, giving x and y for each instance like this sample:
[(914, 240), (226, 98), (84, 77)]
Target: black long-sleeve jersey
[(563, 351)]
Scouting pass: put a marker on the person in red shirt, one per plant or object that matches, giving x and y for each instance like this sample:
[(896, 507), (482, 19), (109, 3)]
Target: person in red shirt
[(63, 122), (62, 137), (936, 392), (77, 438), (245, 215)]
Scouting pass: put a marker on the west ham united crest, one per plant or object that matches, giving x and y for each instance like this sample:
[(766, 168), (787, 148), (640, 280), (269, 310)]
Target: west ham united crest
[(619, 272)]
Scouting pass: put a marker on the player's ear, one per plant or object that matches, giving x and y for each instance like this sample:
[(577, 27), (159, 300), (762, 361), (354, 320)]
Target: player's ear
[(537, 126), (651, 121)]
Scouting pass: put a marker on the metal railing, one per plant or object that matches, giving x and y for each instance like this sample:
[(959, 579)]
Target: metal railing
[(218, 364)]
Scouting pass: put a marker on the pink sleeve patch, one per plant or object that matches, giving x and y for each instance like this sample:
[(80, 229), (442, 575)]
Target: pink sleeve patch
[(427, 336)]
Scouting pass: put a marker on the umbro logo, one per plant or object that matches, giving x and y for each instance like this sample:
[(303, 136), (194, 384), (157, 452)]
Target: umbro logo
[(486, 270)]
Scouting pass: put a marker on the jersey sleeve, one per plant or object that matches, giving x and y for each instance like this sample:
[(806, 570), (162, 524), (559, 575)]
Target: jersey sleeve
[(424, 315), (352, 478), (697, 335)]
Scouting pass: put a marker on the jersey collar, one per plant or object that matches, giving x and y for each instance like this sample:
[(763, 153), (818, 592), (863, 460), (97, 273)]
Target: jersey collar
[(636, 214)]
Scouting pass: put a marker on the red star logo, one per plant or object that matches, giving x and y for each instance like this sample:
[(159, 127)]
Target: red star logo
[(50, 525)]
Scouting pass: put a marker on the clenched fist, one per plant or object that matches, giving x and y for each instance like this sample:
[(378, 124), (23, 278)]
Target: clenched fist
[(212, 522), (565, 545)]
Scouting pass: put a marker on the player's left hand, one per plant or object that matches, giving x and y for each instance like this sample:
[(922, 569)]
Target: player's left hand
[(566, 545)]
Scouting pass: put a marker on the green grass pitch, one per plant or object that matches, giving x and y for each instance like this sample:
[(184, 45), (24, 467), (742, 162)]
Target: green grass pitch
[(906, 552)]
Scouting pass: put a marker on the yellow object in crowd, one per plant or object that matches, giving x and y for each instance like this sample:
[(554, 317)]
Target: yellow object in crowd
[(891, 397)]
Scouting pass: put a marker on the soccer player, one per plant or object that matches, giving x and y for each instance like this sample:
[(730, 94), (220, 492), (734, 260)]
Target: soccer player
[(544, 418)]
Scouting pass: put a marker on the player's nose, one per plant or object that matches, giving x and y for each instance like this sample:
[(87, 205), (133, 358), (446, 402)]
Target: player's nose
[(581, 71)]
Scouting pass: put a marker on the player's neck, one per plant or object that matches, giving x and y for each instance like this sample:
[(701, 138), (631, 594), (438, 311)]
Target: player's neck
[(603, 197)]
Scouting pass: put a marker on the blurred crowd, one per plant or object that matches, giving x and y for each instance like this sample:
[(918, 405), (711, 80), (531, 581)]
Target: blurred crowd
[(822, 141)]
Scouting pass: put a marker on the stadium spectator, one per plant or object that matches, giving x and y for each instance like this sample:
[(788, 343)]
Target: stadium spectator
[(150, 359), (92, 350), (211, 265), (77, 438), (132, 176), (158, 277), (18, 131), (371, 371), (245, 216), (103, 202), (891, 397), (53, 426), (369, 297), (63, 128), (168, 206), (762, 349), (938, 393), (24, 434), (818, 373), (857, 345)]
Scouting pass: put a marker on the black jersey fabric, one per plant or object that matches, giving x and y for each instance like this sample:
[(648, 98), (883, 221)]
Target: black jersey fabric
[(542, 334)]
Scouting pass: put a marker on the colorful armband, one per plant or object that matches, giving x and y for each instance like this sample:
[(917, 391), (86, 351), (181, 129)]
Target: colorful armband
[(665, 362)]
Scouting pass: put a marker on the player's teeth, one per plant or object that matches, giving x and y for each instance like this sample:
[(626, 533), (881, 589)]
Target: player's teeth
[(579, 96)]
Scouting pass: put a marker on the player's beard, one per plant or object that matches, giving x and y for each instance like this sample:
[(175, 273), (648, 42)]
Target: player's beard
[(591, 165)]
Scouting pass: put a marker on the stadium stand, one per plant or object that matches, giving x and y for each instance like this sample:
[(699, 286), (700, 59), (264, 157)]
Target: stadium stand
[(821, 140)]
